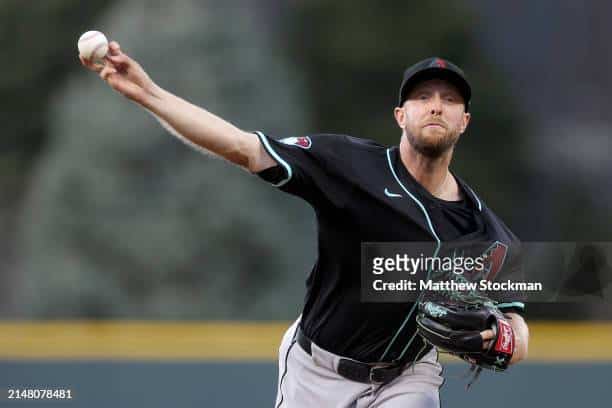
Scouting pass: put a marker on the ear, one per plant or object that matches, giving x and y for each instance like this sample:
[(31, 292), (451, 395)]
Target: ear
[(400, 117), (466, 121)]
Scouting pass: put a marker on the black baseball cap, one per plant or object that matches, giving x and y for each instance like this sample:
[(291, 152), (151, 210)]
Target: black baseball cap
[(431, 68)]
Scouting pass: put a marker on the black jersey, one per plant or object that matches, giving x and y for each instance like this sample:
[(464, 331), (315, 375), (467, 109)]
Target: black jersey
[(362, 192)]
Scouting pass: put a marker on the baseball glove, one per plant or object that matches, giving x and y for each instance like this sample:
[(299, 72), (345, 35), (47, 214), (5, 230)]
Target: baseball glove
[(455, 327)]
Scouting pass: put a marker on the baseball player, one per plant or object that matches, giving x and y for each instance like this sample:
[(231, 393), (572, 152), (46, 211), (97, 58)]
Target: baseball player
[(341, 351)]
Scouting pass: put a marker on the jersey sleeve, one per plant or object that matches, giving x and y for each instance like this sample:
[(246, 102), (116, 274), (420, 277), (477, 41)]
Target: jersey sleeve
[(312, 167)]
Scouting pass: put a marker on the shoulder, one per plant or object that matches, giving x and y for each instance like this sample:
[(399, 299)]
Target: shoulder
[(319, 156), (331, 147)]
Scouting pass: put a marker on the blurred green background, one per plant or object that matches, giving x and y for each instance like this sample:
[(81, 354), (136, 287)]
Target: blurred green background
[(106, 216)]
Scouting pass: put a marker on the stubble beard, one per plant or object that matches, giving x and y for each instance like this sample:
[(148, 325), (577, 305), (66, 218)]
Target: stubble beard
[(432, 150)]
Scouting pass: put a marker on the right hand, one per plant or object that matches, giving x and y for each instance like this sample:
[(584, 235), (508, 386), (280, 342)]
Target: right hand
[(122, 73)]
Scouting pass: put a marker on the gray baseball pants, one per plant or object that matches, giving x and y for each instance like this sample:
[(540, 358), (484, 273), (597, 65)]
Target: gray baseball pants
[(307, 381)]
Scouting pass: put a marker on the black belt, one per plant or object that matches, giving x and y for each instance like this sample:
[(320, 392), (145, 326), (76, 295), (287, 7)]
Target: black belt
[(369, 373)]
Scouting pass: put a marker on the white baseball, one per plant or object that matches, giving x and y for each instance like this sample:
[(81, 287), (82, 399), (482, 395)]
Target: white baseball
[(92, 45)]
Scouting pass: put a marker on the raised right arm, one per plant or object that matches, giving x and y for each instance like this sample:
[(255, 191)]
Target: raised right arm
[(196, 125)]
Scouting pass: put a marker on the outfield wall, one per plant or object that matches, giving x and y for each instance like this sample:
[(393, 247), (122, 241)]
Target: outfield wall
[(144, 364)]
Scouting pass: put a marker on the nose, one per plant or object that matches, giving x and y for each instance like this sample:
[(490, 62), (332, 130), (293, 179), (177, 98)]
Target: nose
[(436, 104)]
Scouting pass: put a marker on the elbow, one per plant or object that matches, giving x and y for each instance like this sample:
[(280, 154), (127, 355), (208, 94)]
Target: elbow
[(246, 150), (256, 158), (252, 164), (241, 151)]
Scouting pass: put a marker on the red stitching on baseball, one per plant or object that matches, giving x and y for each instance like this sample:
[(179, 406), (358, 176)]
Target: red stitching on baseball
[(89, 36), (96, 48)]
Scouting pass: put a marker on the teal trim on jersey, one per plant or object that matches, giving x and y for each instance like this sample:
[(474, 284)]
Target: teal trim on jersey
[(275, 156), (520, 305), (438, 246), (408, 316), (416, 200), (476, 197)]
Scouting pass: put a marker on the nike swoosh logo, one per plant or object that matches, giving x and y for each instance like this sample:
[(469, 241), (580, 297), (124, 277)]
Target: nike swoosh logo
[(390, 194)]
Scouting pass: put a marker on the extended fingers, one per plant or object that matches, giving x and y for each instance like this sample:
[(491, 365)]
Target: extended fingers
[(114, 48), (119, 60), (106, 71), (115, 55)]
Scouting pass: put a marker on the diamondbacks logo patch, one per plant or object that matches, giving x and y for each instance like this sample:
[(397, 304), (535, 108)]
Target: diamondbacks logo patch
[(303, 141)]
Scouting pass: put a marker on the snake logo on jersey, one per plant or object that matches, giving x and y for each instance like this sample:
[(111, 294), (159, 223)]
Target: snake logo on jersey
[(494, 257), (493, 260)]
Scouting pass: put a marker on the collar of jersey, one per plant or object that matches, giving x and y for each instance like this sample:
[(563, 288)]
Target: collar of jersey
[(405, 178)]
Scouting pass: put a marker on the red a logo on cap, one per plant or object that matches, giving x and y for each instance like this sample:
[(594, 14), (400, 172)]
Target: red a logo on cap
[(440, 63)]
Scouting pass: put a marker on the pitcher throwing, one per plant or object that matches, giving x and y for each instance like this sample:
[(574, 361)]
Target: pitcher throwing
[(341, 351)]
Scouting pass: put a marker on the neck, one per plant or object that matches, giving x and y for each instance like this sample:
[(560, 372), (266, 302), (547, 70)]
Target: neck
[(431, 173)]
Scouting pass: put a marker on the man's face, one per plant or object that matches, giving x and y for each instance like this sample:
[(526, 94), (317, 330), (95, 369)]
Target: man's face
[(433, 117)]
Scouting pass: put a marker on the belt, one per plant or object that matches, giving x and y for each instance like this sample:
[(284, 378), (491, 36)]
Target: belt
[(369, 373)]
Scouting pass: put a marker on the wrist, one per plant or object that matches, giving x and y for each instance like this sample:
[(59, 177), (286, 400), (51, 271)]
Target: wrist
[(516, 354), (521, 338)]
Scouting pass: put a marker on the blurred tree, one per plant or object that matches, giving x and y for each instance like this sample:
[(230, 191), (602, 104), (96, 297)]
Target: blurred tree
[(124, 221), (38, 42)]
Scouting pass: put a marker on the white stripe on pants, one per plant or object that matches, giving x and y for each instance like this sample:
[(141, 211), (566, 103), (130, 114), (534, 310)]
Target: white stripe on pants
[(306, 381)]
